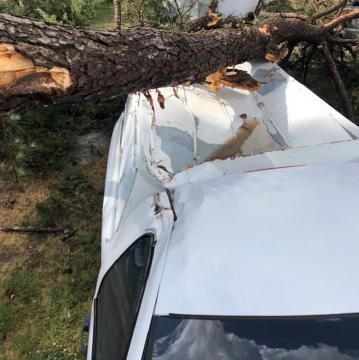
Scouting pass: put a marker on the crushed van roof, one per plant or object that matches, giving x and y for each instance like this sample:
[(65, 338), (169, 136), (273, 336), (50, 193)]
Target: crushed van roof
[(287, 245), (199, 125)]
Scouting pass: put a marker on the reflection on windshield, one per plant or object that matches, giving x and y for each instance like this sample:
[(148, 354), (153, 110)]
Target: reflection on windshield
[(191, 339)]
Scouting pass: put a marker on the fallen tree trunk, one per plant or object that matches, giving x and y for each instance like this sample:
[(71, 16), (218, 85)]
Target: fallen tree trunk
[(61, 64)]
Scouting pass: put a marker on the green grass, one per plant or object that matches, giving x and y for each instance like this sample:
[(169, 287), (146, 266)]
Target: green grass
[(45, 297), (103, 19), (287, 6), (2, 8), (56, 354), (10, 315), (23, 287)]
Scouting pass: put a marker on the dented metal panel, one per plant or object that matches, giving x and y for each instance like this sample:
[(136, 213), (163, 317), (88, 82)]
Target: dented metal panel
[(267, 243), (283, 124), (338, 153), (172, 135), (298, 114), (198, 125), (242, 234)]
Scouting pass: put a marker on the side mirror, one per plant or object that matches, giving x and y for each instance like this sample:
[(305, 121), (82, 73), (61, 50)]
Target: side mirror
[(85, 329)]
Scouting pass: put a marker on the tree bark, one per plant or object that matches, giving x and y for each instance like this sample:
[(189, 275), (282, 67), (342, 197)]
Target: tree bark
[(61, 64), (117, 14)]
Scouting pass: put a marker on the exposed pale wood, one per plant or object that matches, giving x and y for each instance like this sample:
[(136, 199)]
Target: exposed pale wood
[(233, 78), (234, 145), (18, 71)]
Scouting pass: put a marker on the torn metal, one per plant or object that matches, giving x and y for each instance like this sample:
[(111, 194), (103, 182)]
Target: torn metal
[(201, 135)]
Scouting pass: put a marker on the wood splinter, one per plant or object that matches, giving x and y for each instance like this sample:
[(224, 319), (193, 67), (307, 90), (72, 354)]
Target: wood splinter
[(276, 52), (233, 78)]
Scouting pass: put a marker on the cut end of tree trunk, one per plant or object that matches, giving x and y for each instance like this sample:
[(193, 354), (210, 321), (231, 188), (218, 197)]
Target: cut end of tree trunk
[(18, 74)]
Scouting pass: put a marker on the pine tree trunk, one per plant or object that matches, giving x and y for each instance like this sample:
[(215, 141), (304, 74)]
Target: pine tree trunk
[(40, 62)]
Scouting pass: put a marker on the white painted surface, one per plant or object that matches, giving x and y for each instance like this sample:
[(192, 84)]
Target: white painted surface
[(266, 243), (280, 242), (190, 128), (143, 221), (238, 8), (338, 153), (227, 8), (298, 114), (121, 173)]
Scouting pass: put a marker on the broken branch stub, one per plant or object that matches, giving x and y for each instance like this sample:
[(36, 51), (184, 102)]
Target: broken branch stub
[(233, 78)]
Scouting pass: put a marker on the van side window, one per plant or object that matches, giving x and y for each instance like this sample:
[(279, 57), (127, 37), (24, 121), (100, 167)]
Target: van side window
[(118, 301)]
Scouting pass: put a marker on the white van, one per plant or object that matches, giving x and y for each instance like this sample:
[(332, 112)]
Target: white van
[(230, 227)]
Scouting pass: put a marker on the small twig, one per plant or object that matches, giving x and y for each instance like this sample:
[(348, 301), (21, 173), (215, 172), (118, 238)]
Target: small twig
[(332, 66), (189, 8), (331, 25), (302, 17), (342, 8), (39, 230), (329, 11), (285, 15), (314, 5), (258, 8), (179, 11)]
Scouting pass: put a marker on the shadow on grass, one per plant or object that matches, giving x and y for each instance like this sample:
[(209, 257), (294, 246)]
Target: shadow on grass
[(104, 14), (46, 296)]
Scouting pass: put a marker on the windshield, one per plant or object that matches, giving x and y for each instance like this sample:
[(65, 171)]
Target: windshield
[(319, 338)]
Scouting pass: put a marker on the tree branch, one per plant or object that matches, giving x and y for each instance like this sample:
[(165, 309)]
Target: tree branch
[(332, 66), (329, 11), (331, 25), (341, 41), (38, 230), (302, 17)]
